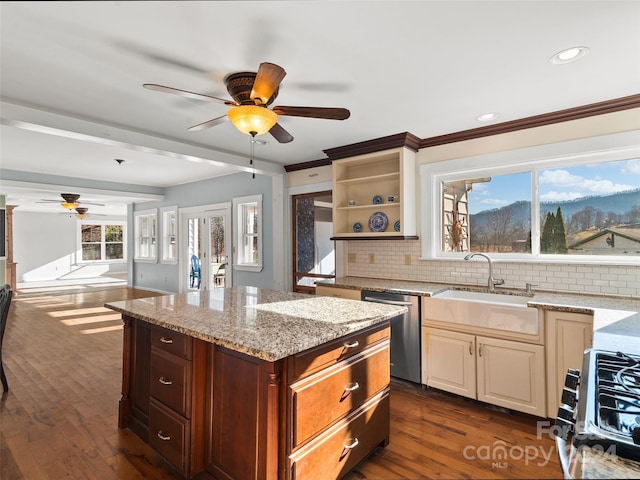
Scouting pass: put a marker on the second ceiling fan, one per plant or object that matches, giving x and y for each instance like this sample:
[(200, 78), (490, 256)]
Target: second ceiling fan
[(252, 93)]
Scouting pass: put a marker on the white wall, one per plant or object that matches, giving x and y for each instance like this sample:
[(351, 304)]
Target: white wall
[(45, 246)]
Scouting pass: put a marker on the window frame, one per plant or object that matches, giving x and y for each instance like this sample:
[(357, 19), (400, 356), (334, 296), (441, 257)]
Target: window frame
[(103, 224), (240, 222), (137, 219), (607, 148), (165, 212)]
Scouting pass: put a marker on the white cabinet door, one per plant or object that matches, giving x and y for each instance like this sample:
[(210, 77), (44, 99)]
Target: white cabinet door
[(449, 361), (568, 336), (511, 375)]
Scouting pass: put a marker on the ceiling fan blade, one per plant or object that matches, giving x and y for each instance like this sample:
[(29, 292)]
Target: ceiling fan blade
[(267, 81), (313, 112), (280, 134), (209, 123), (91, 203), (186, 94), (44, 200)]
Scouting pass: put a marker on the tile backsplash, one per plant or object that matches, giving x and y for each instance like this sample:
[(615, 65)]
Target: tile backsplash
[(400, 260)]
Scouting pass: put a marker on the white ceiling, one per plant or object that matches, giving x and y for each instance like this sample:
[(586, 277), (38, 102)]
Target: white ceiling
[(71, 76)]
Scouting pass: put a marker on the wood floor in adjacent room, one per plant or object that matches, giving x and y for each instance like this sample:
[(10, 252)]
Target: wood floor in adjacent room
[(62, 354)]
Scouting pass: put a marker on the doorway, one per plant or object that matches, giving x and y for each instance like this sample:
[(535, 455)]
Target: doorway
[(206, 237), (313, 249)]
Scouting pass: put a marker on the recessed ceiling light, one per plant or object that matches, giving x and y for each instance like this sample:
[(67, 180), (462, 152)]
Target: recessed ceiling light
[(487, 117), (569, 55)]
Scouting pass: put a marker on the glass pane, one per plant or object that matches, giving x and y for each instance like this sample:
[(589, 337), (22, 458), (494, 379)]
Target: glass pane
[(113, 233), (114, 251), (90, 251), (591, 209), (314, 229), (490, 214), (217, 239), (91, 233), (251, 215)]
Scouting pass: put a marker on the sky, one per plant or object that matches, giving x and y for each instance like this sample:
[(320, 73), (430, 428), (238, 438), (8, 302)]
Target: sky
[(557, 184)]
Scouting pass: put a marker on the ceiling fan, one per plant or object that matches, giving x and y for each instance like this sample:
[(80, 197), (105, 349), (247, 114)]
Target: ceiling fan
[(70, 201), (252, 93), (82, 213)]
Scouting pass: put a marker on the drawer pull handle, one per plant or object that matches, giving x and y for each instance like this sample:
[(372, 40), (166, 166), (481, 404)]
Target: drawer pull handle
[(164, 438), (353, 444), (353, 344), (165, 381), (470, 348), (166, 340), (353, 386)]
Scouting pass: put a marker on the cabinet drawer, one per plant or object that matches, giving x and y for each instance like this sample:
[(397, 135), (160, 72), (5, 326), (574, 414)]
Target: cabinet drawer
[(321, 399), (169, 435), (170, 381), (337, 451), (324, 356), (172, 342)]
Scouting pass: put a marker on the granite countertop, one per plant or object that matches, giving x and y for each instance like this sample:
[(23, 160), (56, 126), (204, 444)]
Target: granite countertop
[(266, 324), (616, 320)]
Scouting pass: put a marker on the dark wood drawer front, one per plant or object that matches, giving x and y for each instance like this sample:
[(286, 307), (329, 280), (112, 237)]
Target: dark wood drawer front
[(321, 399), (337, 451), (315, 359), (170, 381), (171, 342), (169, 435)]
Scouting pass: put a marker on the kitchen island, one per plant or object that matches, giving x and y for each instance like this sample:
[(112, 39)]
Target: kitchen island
[(251, 383)]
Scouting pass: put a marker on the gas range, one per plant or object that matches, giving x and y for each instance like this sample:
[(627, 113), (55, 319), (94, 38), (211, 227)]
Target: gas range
[(600, 409)]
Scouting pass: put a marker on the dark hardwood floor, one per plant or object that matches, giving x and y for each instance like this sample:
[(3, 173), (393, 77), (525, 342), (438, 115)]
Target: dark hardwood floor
[(63, 351)]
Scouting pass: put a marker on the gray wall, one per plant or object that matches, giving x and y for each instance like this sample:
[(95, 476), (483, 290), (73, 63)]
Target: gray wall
[(166, 278)]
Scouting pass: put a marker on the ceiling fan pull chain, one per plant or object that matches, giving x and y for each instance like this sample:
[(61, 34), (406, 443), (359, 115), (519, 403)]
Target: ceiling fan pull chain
[(253, 142)]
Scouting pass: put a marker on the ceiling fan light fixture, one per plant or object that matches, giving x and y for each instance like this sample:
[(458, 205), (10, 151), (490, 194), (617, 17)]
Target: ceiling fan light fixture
[(82, 216), (70, 205), (252, 119)]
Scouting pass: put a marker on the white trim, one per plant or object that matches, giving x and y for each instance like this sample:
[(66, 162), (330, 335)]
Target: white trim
[(239, 262), (153, 212), (280, 230), (164, 211)]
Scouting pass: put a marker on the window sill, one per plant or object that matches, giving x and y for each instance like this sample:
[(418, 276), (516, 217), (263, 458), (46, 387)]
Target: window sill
[(248, 268)]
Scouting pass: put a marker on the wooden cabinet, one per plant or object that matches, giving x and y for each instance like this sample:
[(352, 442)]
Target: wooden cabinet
[(338, 400), (360, 179), (206, 408), (449, 361), (163, 392), (511, 375), (501, 372), (348, 293), (568, 335)]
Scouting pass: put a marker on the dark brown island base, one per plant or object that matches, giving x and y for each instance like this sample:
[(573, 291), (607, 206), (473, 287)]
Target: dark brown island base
[(246, 383)]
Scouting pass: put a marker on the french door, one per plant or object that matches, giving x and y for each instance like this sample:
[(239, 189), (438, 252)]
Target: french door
[(206, 240)]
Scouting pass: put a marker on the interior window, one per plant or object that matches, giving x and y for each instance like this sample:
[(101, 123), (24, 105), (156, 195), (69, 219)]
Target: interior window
[(146, 248), (248, 211)]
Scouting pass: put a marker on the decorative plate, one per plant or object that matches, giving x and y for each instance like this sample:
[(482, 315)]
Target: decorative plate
[(378, 222), (396, 226), (357, 227), (377, 200)]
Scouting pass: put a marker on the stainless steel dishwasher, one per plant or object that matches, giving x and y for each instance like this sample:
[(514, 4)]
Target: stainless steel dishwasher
[(405, 334)]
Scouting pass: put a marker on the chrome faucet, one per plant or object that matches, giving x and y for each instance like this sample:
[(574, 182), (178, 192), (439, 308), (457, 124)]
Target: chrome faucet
[(492, 282)]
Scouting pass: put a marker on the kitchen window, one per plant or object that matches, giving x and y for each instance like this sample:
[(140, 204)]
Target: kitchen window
[(248, 225), (146, 248), (102, 241), (581, 206)]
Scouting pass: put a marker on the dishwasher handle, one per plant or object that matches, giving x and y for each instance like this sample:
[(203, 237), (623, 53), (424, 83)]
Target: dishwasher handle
[(387, 302)]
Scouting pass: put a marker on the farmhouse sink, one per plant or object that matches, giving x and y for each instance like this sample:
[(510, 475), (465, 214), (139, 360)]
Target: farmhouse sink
[(487, 310)]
